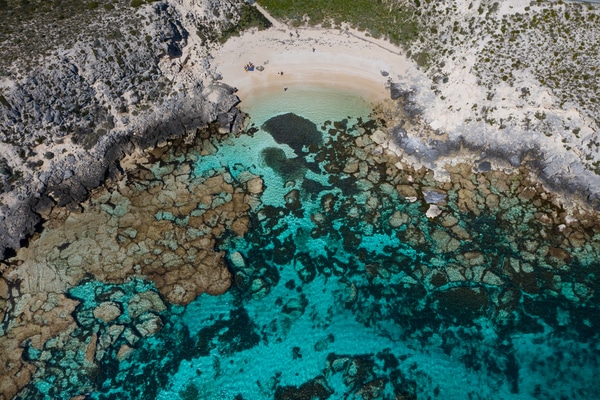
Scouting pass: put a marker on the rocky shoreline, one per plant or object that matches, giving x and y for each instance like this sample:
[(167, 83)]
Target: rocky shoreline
[(67, 124), (413, 138), (69, 183), (97, 282), (123, 139)]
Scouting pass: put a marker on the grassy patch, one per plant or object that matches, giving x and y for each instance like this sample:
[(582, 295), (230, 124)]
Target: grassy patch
[(392, 20), (250, 17)]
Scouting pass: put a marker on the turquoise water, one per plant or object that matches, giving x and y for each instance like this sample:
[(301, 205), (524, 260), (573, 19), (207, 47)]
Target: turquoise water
[(315, 103), (335, 300)]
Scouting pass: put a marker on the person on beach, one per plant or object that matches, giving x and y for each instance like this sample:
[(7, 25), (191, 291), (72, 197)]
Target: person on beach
[(285, 88)]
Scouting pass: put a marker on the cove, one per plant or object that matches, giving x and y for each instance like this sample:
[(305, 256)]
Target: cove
[(342, 286)]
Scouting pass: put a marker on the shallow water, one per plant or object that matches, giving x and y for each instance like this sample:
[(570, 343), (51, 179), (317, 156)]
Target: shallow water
[(315, 103), (348, 290)]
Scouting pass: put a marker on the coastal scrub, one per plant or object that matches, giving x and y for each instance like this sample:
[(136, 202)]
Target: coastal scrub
[(391, 20)]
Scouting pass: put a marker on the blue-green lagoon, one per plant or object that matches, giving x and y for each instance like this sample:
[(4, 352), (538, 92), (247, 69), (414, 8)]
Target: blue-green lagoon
[(341, 287)]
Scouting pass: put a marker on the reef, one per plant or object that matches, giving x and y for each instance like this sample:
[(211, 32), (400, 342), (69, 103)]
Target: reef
[(158, 222), (464, 266)]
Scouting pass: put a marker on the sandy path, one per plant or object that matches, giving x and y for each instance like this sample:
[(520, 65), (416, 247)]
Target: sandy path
[(340, 59)]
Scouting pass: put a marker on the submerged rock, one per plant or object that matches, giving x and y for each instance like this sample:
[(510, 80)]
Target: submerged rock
[(141, 303), (295, 131), (149, 324)]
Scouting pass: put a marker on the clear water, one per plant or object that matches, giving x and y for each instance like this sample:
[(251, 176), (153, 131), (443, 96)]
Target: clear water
[(334, 302), (315, 103)]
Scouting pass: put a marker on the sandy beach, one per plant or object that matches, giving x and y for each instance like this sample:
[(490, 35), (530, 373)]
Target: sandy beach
[(342, 59)]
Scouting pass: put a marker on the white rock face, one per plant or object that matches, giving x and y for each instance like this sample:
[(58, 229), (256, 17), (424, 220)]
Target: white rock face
[(433, 211)]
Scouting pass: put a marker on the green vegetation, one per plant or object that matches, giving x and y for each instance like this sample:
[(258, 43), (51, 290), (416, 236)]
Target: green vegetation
[(384, 18), (250, 17), (36, 27), (567, 64), (422, 59)]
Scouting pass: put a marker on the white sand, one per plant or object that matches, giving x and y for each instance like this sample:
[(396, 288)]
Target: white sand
[(349, 60), (342, 59)]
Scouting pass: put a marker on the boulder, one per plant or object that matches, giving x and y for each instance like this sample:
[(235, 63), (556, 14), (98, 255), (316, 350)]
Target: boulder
[(107, 311), (149, 325), (398, 219), (434, 196), (237, 260), (398, 91), (141, 303), (433, 211)]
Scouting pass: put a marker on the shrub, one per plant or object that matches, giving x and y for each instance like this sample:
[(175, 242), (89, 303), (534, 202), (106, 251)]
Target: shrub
[(396, 19), (422, 59), (250, 17)]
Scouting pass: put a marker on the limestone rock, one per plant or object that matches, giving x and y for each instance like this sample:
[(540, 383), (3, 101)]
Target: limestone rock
[(237, 260), (141, 303), (406, 191), (124, 352), (149, 325), (398, 219), (434, 196), (379, 137), (107, 311), (433, 211), (351, 167), (255, 185)]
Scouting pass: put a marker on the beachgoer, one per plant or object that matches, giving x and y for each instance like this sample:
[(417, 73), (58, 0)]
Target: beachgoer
[(285, 88)]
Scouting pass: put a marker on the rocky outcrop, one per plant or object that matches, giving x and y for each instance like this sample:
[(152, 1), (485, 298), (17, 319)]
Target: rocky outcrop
[(145, 241), (413, 137), (135, 78)]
